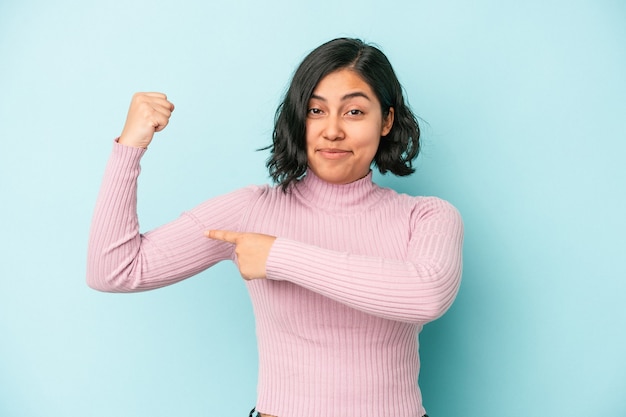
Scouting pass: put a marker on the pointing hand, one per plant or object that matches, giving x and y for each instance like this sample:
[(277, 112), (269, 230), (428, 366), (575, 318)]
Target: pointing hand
[(252, 250)]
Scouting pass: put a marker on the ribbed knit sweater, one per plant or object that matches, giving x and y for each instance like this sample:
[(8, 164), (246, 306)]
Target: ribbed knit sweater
[(355, 272)]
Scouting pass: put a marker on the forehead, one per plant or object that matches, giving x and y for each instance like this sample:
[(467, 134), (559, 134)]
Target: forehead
[(341, 82)]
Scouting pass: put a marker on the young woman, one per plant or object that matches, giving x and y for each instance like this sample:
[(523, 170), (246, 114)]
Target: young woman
[(342, 273)]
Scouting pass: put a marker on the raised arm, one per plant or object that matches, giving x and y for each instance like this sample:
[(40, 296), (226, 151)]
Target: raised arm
[(120, 258)]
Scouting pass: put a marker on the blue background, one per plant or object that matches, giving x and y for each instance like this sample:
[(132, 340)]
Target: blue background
[(523, 106)]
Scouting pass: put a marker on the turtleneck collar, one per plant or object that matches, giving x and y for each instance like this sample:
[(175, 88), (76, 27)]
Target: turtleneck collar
[(338, 198)]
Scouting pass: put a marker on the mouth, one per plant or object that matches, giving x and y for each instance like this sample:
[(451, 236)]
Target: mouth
[(333, 153)]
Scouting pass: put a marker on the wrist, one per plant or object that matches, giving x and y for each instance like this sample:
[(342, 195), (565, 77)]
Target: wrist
[(122, 140)]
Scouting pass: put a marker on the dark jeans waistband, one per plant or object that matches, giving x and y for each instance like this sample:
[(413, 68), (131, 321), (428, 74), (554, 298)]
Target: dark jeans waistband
[(254, 413)]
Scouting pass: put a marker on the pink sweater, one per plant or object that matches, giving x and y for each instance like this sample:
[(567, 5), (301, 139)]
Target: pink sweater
[(354, 274)]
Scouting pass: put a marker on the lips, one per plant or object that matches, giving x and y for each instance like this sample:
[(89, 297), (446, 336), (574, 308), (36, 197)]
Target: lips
[(333, 153)]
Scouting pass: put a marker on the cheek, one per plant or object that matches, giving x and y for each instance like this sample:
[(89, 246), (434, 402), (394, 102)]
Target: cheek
[(312, 134), (309, 131), (308, 140), (307, 135), (368, 138)]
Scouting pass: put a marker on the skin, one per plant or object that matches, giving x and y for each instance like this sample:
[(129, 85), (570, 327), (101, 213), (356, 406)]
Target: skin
[(148, 113), (343, 128), (252, 250)]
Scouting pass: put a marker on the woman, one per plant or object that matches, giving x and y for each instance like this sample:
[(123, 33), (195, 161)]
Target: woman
[(342, 273)]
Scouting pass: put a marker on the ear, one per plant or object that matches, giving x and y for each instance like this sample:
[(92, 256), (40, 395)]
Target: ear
[(387, 123)]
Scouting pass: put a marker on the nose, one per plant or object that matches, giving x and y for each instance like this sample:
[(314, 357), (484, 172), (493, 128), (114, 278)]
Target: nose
[(333, 129)]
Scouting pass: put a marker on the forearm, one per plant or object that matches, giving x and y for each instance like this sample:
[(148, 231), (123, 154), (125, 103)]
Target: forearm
[(418, 288), (114, 238)]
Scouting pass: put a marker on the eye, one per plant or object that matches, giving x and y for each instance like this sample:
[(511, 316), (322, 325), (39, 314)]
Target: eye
[(314, 111), (355, 112)]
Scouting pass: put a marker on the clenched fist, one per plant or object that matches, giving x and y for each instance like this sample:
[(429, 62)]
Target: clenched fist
[(148, 113)]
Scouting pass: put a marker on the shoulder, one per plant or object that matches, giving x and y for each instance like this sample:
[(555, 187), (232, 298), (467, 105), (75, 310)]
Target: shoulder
[(420, 203), (429, 204), (435, 214), (422, 207)]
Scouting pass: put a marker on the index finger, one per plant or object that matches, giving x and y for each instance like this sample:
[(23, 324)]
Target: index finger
[(223, 235)]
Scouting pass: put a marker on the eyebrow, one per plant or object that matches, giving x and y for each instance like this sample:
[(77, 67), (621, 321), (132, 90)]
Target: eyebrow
[(344, 98)]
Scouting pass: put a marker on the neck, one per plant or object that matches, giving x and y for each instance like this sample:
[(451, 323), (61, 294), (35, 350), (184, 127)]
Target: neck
[(343, 198)]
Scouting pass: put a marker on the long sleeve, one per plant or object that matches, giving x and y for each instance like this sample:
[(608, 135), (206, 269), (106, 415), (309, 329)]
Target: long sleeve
[(419, 288), (355, 271), (121, 259)]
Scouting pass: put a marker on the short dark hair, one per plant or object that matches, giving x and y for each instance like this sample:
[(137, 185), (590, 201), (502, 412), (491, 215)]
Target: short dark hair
[(397, 150)]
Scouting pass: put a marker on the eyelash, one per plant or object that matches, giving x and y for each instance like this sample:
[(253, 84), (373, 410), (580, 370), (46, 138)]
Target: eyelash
[(354, 112)]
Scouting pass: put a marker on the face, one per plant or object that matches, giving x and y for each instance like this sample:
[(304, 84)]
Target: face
[(343, 127)]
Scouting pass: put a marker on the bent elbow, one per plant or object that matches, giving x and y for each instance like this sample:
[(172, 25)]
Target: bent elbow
[(106, 285), (436, 309), (101, 285), (111, 281), (435, 301)]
